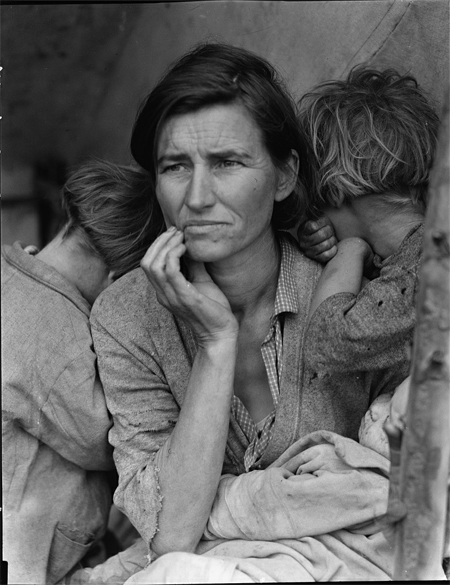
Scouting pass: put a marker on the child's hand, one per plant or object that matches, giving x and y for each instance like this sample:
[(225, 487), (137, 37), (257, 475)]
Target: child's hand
[(317, 239), (371, 433), (396, 423), (399, 404)]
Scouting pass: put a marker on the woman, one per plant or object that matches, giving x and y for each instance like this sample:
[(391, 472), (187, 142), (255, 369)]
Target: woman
[(213, 382), (57, 462)]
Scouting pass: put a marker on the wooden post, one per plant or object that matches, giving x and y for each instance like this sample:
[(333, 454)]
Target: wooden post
[(425, 448)]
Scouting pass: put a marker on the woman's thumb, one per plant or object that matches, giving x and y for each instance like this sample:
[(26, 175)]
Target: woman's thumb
[(197, 272)]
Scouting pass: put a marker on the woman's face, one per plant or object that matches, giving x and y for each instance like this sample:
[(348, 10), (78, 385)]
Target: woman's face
[(216, 181)]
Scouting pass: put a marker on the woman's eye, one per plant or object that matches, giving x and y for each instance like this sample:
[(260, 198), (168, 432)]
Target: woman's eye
[(229, 163), (173, 168)]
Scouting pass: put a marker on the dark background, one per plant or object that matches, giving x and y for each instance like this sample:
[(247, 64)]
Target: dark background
[(74, 74)]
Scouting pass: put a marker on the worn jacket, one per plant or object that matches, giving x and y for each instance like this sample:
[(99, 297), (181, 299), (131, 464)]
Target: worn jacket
[(56, 494), (145, 357), (374, 329)]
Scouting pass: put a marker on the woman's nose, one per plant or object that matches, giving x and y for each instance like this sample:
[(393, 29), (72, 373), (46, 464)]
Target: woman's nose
[(200, 190)]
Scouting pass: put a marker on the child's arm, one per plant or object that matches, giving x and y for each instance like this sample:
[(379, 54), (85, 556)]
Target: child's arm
[(369, 330), (344, 272)]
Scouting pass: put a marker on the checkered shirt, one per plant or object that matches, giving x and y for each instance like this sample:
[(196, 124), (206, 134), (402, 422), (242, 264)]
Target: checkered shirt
[(286, 301)]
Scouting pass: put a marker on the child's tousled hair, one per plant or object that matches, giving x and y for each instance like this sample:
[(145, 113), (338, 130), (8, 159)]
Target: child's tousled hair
[(111, 210), (374, 133)]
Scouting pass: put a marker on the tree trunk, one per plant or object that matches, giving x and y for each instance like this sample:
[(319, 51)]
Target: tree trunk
[(425, 451)]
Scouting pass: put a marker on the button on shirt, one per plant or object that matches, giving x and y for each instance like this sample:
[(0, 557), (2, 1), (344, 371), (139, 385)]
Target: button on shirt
[(258, 434)]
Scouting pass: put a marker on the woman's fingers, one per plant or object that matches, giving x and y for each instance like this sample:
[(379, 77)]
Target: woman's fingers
[(155, 260), (198, 272), (171, 261), (161, 265), (159, 247), (199, 302)]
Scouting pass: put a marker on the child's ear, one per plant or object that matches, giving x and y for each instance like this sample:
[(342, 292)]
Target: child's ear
[(339, 200), (287, 177), (112, 276)]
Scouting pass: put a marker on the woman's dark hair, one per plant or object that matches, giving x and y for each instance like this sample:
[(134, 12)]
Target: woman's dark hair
[(216, 73), (112, 211)]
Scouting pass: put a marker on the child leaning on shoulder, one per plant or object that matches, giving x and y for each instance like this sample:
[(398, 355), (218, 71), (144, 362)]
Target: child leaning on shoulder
[(371, 138)]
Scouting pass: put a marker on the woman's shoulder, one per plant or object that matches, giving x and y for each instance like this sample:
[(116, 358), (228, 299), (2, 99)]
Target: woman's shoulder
[(301, 268), (131, 295)]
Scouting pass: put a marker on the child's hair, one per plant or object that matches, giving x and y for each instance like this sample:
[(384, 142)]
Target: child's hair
[(111, 209), (374, 133)]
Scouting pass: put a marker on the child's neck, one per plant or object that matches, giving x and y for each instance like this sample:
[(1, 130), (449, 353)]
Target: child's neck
[(385, 227), (86, 271)]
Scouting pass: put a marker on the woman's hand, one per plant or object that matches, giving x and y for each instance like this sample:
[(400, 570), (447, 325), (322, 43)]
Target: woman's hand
[(188, 482), (198, 301), (317, 239)]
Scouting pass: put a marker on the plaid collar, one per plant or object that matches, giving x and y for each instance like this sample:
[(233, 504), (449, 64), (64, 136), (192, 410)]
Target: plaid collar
[(286, 298)]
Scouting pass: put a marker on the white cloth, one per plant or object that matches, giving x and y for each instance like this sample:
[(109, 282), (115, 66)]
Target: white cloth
[(311, 516)]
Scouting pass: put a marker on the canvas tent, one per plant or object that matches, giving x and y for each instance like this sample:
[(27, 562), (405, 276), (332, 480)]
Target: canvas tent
[(74, 74)]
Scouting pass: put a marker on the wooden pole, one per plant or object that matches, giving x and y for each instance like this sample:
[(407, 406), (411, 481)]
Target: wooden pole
[(425, 447)]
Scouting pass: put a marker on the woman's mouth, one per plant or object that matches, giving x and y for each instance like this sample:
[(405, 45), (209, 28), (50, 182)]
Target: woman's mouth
[(201, 228)]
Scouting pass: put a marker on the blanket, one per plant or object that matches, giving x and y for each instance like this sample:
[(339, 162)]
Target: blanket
[(313, 515), (316, 514)]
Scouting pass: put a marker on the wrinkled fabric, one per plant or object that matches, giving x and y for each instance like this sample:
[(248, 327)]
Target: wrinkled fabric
[(375, 328), (323, 483), (145, 357), (114, 571), (56, 493), (311, 516), (316, 514)]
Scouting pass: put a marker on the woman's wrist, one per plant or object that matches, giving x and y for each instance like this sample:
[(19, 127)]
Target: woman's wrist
[(219, 346)]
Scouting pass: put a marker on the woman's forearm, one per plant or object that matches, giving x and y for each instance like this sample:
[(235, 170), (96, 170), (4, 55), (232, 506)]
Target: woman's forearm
[(191, 461)]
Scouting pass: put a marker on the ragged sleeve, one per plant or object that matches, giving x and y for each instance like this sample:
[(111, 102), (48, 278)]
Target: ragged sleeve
[(369, 331), (143, 408)]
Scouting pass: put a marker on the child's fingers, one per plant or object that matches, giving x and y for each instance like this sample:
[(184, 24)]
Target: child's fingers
[(324, 246), (326, 255), (312, 238), (322, 252), (314, 225)]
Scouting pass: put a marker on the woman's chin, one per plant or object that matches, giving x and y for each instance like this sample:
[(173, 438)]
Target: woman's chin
[(201, 256), (204, 252)]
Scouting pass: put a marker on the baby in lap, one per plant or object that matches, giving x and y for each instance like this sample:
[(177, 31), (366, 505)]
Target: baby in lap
[(386, 408)]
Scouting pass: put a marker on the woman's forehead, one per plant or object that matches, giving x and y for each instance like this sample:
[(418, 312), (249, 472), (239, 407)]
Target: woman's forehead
[(220, 127)]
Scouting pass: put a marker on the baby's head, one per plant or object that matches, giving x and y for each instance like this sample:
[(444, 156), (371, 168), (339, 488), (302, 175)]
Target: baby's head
[(371, 433), (374, 133), (386, 406)]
